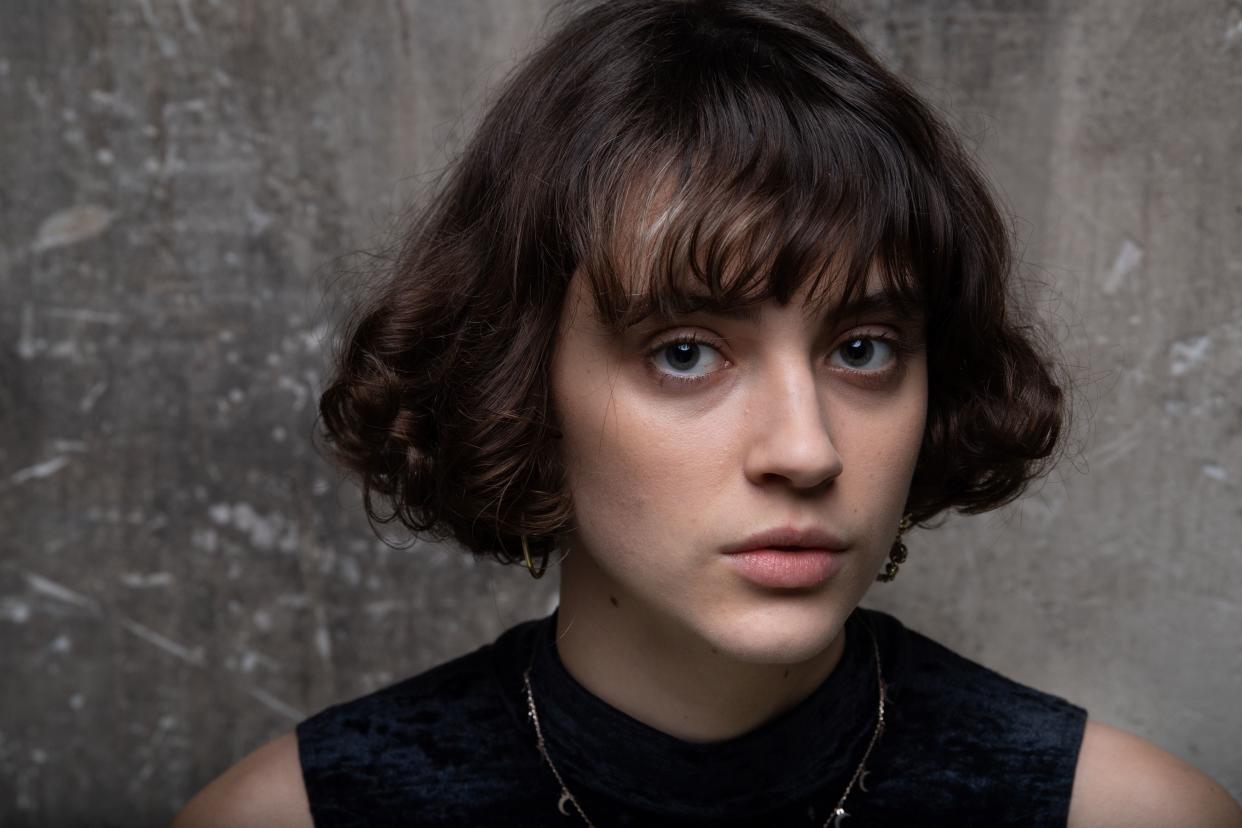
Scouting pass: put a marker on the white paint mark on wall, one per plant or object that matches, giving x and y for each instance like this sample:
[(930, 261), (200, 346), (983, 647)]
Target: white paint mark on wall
[(15, 610), (67, 446), (205, 539), (253, 658), (85, 315), (1215, 472), (1185, 355), (265, 531), (257, 220), (77, 701), (1128, 258), (176, 650), (70, 226), (146, 580), (168, 46), (272, 703), (61, 644), (174, 109), (1233, 32), (314, 339), (28, 346), (187, 18), (108, 101), (348, 568), (60, 592), (38, 471), (262, 530), (379, 609), (323, 643), (300, 394), (36, 96), (92, 396)]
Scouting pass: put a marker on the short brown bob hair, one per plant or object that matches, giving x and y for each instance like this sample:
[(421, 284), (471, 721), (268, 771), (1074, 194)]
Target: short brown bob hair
[(775, 150)]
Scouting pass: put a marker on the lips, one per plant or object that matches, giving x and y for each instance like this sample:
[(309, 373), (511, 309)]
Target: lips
[(790, 539)]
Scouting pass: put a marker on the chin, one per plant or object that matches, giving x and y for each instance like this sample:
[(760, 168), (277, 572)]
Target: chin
[(789, 630)]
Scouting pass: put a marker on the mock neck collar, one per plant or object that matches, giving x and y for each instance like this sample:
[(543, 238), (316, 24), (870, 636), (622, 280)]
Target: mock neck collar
[(813, 745)]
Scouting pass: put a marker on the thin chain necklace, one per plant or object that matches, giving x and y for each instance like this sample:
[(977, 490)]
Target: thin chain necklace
[(834, 819)]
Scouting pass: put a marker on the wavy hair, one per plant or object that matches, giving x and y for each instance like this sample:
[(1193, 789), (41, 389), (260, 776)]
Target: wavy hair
[(774, 153)]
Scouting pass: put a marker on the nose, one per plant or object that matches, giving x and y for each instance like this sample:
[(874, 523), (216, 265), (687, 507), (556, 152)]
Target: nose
[(790, 434)]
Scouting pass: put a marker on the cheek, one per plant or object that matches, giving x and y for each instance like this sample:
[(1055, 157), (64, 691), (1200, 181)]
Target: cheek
[(600, 468), (618, 461), (884, 442), (633, 473)]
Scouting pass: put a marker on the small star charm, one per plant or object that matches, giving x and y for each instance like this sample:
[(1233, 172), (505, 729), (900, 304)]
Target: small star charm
[(838, 815)]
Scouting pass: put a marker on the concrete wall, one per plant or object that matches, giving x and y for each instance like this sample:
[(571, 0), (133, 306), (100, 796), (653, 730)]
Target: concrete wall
[(181, 577)]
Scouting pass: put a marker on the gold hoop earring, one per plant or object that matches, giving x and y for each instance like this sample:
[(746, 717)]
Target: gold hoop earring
[(896, 554), (529, 564)]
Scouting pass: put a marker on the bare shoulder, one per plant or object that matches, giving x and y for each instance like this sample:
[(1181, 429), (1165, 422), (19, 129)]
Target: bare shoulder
[(1122, 780), (263, 790)]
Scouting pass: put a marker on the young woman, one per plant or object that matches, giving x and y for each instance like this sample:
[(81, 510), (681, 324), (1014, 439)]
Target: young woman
[(710, 311)]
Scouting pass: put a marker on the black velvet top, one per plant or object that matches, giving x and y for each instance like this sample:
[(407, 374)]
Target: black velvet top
[(962, 746)]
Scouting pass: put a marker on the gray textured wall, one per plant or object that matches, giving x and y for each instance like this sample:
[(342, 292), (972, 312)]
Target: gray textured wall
[(181, 577)]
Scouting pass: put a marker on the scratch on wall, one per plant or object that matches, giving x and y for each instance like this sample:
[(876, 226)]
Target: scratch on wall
[(92, 396), (179, 651), (1216, 472), (1128, 257), (40, 470), (272, 703), (70, 226), (60, 592), (1117, 448), (1185, 355), (85, 315), (146, 580)]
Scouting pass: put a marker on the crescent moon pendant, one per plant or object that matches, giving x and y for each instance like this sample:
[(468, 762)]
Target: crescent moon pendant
[(560, 806)]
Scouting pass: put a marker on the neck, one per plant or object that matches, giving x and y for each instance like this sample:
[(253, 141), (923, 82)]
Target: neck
[(664, 675)]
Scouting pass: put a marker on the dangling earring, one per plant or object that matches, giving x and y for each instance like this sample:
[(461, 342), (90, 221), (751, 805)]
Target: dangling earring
[(896, 555), (529, 564)]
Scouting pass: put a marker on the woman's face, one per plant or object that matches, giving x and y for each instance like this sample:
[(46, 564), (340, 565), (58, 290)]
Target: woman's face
[(683, 437)]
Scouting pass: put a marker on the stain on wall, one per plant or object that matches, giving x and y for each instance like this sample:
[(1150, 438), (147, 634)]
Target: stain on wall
[(182, 577)]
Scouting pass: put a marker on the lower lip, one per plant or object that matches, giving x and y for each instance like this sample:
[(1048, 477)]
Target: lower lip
[(787, 570)]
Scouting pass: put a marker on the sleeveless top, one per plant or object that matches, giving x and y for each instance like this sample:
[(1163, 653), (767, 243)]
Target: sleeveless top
[(454, 746)]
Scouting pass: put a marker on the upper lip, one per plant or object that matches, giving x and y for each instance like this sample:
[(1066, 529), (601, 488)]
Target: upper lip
[(787, 537)]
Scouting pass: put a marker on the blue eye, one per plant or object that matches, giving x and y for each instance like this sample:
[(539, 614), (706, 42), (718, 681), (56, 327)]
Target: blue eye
[(686, 358), (859, 353)]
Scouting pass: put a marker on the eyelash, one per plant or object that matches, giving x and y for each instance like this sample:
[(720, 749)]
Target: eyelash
[(901, 349)]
